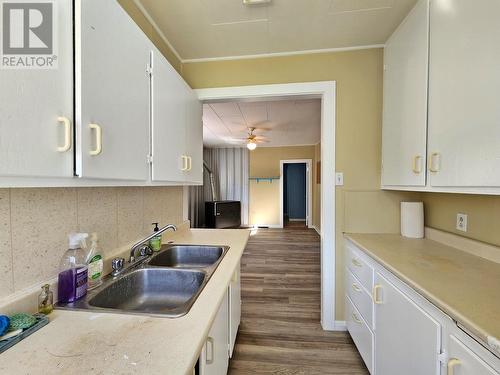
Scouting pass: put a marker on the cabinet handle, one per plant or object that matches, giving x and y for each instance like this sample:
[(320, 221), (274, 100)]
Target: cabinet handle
[(451, 365), (98, 140), (210, 341), (356, 262), (355, 318), (184, 163), (417, 164), (432, 165), (356, 288), (67, 134), (189, 163), (375, 294)]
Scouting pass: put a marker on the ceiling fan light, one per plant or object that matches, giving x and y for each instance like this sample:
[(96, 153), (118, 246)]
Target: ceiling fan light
[(251, 146)]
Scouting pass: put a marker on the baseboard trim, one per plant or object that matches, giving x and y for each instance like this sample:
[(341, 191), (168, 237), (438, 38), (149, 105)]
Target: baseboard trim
[(340, 325), (265, 225), (316, 229)]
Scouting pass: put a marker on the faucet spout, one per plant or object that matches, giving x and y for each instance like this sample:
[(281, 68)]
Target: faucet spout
[(140, 244)]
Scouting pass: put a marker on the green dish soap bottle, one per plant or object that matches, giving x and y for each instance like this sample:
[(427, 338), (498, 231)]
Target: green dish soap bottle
[(155, 242), (95, 263)]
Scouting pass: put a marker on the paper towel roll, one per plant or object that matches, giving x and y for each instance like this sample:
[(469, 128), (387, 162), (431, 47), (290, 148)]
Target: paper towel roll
[(412, 219)]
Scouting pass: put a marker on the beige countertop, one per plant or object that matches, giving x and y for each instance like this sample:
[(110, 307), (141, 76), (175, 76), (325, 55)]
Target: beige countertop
[(101, 343), (464, 286)]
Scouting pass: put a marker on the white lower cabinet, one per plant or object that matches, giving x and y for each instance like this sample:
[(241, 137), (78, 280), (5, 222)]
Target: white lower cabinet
[(214, 358), (463, 361), (234, 309), (360, 333), (407, 339), (397, 331)]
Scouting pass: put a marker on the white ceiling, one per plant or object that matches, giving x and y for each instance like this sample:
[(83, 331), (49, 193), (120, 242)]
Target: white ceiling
[(200, 29), (288, 122)]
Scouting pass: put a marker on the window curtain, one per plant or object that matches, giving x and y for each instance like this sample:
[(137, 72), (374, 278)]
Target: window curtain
[(230, 167)]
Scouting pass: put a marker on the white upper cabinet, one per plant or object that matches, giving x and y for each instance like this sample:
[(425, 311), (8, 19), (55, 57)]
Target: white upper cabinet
[(36, 110), (405, 101), (177, 128), (168, 125), (194, 138), (112, 93), (464, 85)]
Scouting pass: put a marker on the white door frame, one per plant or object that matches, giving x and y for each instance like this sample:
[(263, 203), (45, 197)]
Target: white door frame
[(308, 163), (326, 91)]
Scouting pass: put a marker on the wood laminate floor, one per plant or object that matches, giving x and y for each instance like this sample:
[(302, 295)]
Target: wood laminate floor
[(280, 330)]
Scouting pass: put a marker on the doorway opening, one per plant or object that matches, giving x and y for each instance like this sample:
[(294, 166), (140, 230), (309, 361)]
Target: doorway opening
[(296, 193), (326, 92)]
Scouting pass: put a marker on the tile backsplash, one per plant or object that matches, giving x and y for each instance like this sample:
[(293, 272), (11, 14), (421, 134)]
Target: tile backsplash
[(34, 224)]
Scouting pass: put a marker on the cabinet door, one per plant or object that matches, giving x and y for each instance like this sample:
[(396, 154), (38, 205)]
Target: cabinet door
[(36, 115), (407, 339), (169, 117), (214, 359), (234, 309), (112, 57), (404, 134), (463, 361), (194, 138), (464, 84)]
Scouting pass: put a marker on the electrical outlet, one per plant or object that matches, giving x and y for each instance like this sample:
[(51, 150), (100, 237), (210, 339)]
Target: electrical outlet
[(339, 179), (462, 222)]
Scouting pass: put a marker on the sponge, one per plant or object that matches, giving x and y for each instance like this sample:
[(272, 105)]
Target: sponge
[(4, 324), (21, 321)]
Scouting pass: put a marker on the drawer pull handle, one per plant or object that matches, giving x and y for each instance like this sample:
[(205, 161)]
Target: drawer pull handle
[(355, 318), (210, 341), (451, 365), (356, 262), (375, 294), (356, 288)]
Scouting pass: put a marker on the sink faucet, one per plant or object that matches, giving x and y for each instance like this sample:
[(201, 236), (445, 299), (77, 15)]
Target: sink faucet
[(143, 246)]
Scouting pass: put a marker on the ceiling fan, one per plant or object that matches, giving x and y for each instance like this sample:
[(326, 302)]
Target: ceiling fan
[(252, 140)]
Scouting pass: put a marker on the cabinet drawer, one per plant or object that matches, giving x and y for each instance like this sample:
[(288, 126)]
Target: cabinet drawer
[(358, 266), (360, 333), (463, 361), (360, 297)]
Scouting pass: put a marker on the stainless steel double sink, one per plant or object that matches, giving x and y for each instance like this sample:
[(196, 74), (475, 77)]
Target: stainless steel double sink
[(165, 284)]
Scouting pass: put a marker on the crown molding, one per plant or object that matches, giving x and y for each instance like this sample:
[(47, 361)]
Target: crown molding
[(158, 30), (283, 54)]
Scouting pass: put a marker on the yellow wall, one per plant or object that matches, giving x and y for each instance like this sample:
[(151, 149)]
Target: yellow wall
[(361, 206), (136, 14), (264, 202), (483, 214)]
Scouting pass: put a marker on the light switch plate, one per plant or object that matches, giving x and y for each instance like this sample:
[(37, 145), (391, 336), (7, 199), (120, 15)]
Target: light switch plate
[(462, 222), (339, 179)]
